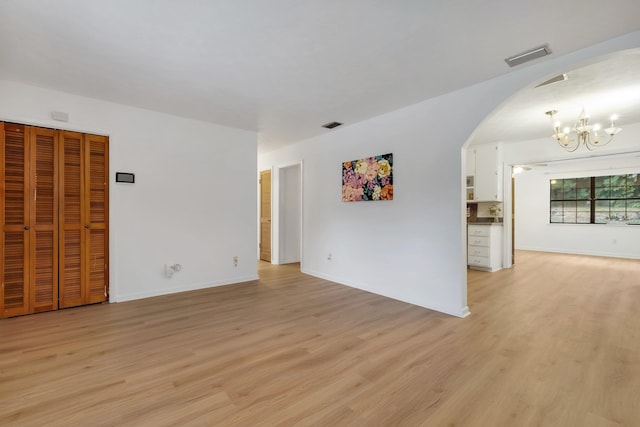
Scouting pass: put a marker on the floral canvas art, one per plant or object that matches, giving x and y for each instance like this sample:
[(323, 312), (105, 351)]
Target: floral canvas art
[(368, 179)]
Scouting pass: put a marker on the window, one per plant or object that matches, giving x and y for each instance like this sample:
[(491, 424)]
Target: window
[(595, 200)]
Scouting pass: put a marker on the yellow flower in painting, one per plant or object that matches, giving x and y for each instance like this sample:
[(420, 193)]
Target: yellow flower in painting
[(384, 168), (361, 166)]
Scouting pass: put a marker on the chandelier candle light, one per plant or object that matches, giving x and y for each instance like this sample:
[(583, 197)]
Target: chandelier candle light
[(585, 134)]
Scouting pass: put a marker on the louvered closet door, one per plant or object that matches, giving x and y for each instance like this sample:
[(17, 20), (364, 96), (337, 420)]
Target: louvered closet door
[(72, 206), (96, 217), (84, 211), (43, 269), (14, 216)]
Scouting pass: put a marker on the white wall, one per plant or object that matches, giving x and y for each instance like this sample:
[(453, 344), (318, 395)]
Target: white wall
[(290, 214), (411, 248), (193, 202)]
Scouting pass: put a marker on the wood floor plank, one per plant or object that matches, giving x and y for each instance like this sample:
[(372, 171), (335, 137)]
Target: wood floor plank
[(554, 341)]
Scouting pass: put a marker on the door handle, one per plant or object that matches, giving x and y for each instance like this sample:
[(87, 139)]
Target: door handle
[(87, 226), (26, 227)]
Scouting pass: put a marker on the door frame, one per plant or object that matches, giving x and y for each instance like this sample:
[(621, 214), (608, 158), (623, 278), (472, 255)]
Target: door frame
[(276, 217)]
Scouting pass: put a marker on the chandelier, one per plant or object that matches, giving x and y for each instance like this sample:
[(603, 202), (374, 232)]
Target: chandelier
[(582, 133)]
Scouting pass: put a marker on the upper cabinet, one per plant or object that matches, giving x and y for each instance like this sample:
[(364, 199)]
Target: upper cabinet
[(486, 163)]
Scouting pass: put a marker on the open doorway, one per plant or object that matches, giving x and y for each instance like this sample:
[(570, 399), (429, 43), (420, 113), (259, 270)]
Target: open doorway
[(603, 87)]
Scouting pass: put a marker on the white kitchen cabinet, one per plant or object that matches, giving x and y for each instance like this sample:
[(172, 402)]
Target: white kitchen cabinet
[(487, 160), (484, 246)]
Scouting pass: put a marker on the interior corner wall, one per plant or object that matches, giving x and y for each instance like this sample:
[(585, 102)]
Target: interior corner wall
[(412, 248), (193, 201)]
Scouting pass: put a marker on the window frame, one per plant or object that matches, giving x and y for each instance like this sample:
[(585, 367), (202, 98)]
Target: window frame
[(570, 196)]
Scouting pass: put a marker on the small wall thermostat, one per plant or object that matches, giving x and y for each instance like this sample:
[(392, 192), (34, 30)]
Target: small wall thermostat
[(125, 177)]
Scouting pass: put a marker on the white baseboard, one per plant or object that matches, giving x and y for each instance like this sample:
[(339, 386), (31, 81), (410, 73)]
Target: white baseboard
[(184, 288), (462, 312), (581, 252)]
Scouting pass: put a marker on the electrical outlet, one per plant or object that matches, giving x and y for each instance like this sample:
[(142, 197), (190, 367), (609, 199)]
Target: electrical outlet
[(168, 271), (235, 261), (171, 269)]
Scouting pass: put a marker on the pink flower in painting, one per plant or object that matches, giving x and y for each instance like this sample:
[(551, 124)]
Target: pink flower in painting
[(384, 180), (348, 176), (372, 169), (350, 194)]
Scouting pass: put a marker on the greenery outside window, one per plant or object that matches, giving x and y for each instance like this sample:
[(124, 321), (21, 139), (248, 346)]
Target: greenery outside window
[(596, 200)]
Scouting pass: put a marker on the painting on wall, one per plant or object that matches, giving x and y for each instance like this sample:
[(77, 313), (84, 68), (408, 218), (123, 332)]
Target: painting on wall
[(368, 179)]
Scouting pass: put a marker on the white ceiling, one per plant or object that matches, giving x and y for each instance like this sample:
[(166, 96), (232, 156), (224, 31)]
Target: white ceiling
[(285, 67), (611, 86)]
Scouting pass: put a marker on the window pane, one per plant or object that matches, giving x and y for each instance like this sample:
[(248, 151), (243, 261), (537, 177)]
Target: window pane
[(617, 216), (556, 189), (569, 213), (583, 188), (556, 212), (633, 191), (633, 211), (569, 189), (583, 193), (603, 181), (618, 192), (618, 205), (603, 185), (602, 211), (618, 180), (583, 212), (603, 193), (618, 212)]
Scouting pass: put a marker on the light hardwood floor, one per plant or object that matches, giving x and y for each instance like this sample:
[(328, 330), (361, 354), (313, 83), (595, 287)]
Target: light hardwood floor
[(554, 341)]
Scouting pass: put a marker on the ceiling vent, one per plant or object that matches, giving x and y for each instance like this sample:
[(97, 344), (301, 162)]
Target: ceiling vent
[(556, 79), (332, 125), (527, 56)]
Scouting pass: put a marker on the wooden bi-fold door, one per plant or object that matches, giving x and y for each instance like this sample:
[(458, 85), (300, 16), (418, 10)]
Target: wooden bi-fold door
[(54, 218), (84, 218), (29, 218)]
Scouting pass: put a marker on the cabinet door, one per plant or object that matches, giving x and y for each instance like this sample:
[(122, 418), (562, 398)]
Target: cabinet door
[(72, 206), (14, 217), (43, 232), (96, 218), (488, 183)]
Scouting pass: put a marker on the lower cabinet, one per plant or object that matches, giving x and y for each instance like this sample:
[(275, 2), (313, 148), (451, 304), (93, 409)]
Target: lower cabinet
[(484, 246)]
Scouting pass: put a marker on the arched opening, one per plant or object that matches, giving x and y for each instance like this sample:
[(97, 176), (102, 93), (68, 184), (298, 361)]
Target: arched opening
[(519, 128)]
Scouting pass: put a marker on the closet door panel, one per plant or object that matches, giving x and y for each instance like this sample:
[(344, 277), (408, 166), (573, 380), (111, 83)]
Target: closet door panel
[(96, 229), (72, 204), (97, 267), (15, 284), (44, 220), (14, 217)]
